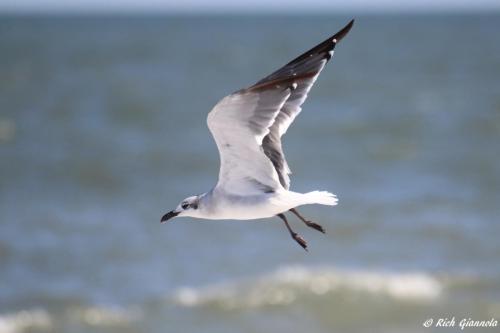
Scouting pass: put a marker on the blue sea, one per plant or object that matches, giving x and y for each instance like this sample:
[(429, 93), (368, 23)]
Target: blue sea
[(103, 130)]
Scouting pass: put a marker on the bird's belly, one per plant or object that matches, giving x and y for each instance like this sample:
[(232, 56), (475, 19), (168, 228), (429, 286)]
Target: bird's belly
[(249, 209), (245, 214)]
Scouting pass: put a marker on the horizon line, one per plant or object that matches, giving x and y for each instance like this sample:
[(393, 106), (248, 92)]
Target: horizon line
[(190, 8), (260, 12)]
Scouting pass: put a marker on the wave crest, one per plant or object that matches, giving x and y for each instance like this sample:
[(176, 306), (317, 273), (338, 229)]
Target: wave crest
[(288, 284), (25, 320), (41, 320), (107, 315)]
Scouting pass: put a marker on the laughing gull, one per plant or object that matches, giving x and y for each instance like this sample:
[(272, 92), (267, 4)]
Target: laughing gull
[(247, 127)]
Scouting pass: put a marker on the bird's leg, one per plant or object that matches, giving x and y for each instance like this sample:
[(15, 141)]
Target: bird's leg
[(307, 222), (294, 235)]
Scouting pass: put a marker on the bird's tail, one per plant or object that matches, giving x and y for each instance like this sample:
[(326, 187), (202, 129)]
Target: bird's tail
[(321, 197)]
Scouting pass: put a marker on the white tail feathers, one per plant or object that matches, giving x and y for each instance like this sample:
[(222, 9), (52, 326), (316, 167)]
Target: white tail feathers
[(321, 197)]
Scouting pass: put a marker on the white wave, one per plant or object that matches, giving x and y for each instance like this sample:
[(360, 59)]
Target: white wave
[(25, 320), (41, 320), (287, 284), (106, 315)]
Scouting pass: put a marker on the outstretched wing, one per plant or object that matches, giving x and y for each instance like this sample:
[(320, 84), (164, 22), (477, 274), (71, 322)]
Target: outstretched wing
[(303, 71), (239, 123), (247, 126)]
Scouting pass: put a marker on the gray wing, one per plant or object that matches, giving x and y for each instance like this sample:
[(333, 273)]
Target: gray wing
[(239, 123), (247, 126), (302, 72)]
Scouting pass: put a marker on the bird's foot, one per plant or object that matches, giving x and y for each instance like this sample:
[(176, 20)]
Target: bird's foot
[(315, 226), (298, 238), (307, 222)]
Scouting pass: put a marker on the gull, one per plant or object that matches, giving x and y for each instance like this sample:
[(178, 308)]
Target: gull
[(247, 126)]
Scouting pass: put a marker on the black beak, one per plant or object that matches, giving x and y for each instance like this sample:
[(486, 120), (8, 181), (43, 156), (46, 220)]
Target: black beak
[(168, 216)]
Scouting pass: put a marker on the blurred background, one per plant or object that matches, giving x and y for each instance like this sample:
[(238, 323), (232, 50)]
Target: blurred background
[(103, 129)]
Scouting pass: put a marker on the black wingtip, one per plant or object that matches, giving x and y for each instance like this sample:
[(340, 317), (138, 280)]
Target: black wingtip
[(341, 34), (325, 46), (324, 49)]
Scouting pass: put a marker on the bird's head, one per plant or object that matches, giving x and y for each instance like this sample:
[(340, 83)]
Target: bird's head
[(187, 207)]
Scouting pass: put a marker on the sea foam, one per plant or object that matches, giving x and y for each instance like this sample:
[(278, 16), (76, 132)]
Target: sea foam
[(288, 284), (25, 320)]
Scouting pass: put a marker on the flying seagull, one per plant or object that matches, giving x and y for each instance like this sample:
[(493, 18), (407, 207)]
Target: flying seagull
[(247, 127)]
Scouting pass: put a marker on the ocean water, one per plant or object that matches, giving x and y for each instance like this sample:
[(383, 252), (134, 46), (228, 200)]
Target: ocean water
[(103, 130)]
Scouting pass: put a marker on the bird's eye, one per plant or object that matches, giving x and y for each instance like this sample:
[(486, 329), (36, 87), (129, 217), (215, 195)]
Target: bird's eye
[(184, 205)]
